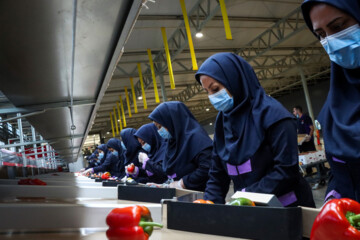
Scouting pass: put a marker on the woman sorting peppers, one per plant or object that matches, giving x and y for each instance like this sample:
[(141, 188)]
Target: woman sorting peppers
[(132, 149), (187, 157), (109, 162), (336, 24), (255, 141), (114, 146), (155, 147)]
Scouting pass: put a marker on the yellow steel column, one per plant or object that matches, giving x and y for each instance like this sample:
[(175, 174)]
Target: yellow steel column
[(188, 33), (225, 20), (157, 100), (116, 122), (122, 111), (168, 58), (118, 110), (133, 95), (112, 125), (127, 101), (142, 85)]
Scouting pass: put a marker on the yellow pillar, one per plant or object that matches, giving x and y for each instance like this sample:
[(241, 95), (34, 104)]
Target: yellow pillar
[(116, 122), (118, 110), (188, 33), (168, 58), (142, 85), (133, 95), (225, 20), (112, 125), (122, 111), (157, 100), (127, 101)]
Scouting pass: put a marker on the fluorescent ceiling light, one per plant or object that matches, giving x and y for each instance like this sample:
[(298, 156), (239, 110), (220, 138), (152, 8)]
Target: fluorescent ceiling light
[(199, 35)]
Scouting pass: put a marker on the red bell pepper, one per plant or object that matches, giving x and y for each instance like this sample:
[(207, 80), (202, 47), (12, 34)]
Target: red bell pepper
[(338, 219), (106, 175), (131, 168), (130, 223)]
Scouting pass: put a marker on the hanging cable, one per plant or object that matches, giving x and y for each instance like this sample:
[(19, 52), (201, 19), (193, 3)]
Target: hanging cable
[(73, 127)]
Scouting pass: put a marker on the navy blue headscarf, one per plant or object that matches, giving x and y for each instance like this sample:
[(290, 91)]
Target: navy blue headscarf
[(150, 135), (115, 144), (188, 137), (240, 132), (93, 155), (95, 152), (132, 145), (103, 148), (340, 115)]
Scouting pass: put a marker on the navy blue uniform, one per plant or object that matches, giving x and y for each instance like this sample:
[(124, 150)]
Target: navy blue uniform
[(303, 125), (255, 142), (273, 169), (340, 115), (345, 178), (154, 172), (109, 164), (92, 163), (133, 147), (188, 153), (151, 169), (120, 167), (197, 176)]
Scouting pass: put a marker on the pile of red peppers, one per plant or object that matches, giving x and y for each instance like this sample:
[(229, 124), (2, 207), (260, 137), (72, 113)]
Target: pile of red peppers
[(130, 223), (339, 219), (29, 181)]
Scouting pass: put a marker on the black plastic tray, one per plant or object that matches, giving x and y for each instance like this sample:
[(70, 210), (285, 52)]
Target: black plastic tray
[(145, 194), (111, 183), (98, 180), (235, 221)]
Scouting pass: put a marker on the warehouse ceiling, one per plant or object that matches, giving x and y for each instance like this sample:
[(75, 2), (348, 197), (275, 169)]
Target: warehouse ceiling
[(270, 34), (56, 61)]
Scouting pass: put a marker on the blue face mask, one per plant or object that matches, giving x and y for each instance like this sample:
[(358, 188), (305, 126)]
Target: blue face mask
[(344, 47), (146, 147), (101, 155), (221, 100), (116, 153), (123, 145), (164, 133)]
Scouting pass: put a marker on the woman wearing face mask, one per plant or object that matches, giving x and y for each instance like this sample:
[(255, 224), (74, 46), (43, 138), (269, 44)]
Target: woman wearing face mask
[(336, 24), (188, 154), (114, 146), (92, 161), (155, 147), (109, 163), (255, 141), (133, 148)]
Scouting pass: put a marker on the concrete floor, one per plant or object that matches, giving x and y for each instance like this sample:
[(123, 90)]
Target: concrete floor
[(319, 195)]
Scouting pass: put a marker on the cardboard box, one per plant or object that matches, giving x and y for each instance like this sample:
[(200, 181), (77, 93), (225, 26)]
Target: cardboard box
[(313, 157), (321, 155), (304, 159), (308, 218)]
